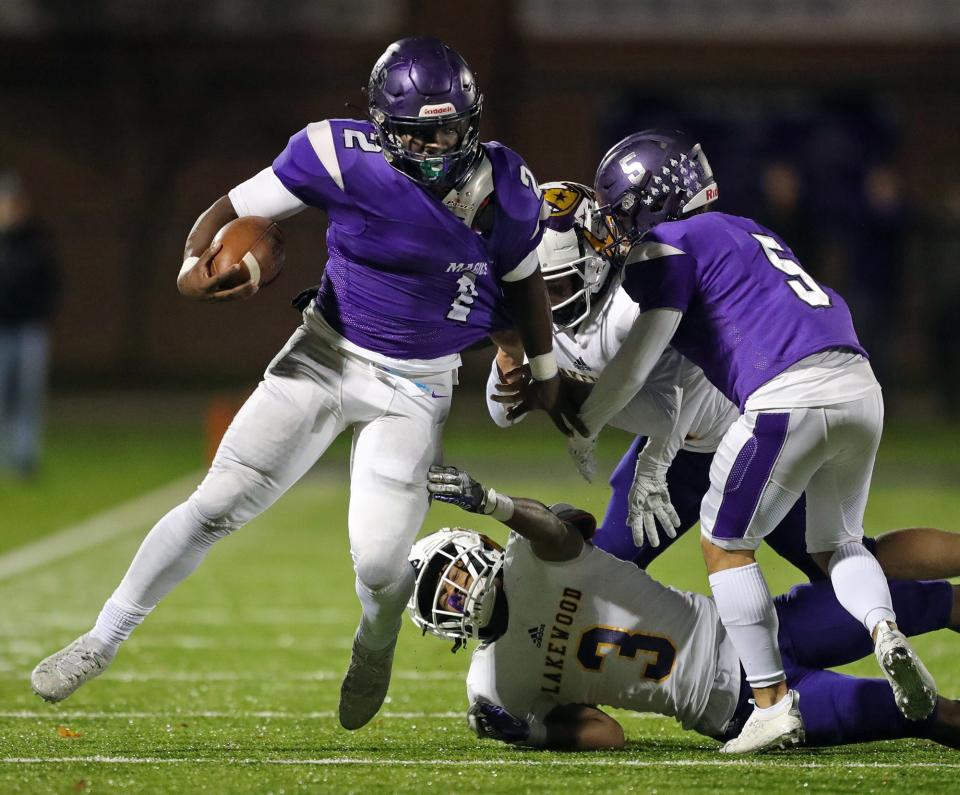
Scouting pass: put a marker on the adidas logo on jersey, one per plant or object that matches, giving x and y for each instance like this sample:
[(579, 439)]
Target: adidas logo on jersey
[(581, 365), (536, 635)]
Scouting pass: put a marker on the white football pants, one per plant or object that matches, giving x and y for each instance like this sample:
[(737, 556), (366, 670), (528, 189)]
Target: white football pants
[(309, 395), (768, 458)]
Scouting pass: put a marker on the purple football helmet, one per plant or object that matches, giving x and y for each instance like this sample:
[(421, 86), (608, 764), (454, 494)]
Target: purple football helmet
[(651, 177), (421, 92)]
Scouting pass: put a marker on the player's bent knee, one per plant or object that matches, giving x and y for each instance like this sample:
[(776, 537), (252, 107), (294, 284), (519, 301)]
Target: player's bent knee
[(220, 499), (378, 572)]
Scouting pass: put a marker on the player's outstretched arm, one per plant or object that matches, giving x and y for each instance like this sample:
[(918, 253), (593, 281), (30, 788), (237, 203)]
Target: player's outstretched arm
[(529, 305), (630, 366), (550, 538)]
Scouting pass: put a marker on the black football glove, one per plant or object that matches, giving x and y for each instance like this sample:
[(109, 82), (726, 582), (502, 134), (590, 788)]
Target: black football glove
[(449, 484), (491, 722)]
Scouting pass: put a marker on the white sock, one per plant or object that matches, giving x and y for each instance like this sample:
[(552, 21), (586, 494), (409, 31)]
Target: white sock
[(747, 612), (383, 611), (171, 551), (775, 710), (116, 622), (860, 585)]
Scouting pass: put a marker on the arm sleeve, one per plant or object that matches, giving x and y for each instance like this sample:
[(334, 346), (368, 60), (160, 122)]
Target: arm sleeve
[(525, 268), (653, 411), (265, 195), (629, 368), (657, 455)]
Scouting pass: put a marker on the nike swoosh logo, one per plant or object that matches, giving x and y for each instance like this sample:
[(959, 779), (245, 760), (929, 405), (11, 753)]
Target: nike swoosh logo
[(435, 395)]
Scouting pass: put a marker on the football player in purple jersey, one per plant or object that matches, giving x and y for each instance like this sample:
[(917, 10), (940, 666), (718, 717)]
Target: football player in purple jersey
[(431, 239), (657, 488), (730, 296)]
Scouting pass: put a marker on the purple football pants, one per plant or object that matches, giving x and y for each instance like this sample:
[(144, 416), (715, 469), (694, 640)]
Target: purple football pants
[(687, 481), (817, 633)]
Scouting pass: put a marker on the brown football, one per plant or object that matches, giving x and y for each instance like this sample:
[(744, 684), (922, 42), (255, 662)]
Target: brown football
[(256, 243)]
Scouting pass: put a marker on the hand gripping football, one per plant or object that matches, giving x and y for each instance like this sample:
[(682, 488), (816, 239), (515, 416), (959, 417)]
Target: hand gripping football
[(256, 243)]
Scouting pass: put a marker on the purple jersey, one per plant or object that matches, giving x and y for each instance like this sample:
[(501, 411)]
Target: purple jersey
[(405, 277), (749, 310)]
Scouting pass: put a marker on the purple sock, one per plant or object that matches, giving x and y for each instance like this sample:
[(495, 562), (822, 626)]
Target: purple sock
[(816, 632), (838, 709)]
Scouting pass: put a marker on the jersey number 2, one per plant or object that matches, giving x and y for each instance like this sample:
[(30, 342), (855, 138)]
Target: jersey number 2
[(463, 301), (800, 281)]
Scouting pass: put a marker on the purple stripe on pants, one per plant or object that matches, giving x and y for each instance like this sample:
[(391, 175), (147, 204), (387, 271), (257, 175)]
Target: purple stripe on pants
[(749, 475)]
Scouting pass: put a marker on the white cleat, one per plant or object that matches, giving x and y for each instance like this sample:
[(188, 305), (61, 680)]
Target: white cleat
[(365, 685), (782, 730), (913, 687), (61, 673)]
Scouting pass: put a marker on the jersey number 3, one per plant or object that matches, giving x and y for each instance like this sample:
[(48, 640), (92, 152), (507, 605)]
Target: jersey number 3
[(596, 643), (800, 281)]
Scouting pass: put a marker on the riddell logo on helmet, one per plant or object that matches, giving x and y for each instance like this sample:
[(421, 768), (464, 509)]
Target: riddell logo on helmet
[(437, 110), (713, 193)]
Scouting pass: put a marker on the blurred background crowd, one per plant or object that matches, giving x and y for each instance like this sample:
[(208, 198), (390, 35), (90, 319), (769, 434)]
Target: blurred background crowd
[(833, 122)]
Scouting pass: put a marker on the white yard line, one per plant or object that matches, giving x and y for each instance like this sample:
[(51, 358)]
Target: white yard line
[(752, 763), (239, 715), (250, 676), (292, 616), (172, 715), (126, 517)]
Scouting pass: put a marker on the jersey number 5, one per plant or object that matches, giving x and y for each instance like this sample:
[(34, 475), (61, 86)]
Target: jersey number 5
[(596, 643), (800, 281)]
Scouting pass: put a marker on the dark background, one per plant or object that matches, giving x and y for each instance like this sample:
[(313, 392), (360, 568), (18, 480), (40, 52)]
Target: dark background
[(833, 122)]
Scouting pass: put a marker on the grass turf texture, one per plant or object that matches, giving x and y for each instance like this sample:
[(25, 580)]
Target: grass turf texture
[(232, 684)]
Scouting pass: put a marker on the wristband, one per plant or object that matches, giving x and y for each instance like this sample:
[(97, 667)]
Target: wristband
[(543, 367), (499, 506), (188, 264)]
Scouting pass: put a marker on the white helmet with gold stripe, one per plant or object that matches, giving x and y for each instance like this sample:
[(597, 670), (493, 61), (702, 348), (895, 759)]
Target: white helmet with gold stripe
[(573, 267)]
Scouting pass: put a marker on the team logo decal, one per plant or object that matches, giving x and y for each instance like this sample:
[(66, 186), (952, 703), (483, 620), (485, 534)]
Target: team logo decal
[(580, 364), (536, 635), (564, 200)]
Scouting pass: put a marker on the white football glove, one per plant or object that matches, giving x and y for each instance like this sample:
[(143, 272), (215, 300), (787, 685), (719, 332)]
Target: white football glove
[(582, 450), (649, 503)]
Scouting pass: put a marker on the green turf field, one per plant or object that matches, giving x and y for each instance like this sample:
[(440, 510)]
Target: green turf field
[(232, 684)]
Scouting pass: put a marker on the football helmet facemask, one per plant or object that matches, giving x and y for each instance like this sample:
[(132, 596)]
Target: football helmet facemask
[(422, 90), (648, 178), (573, 238), (455, 591)]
